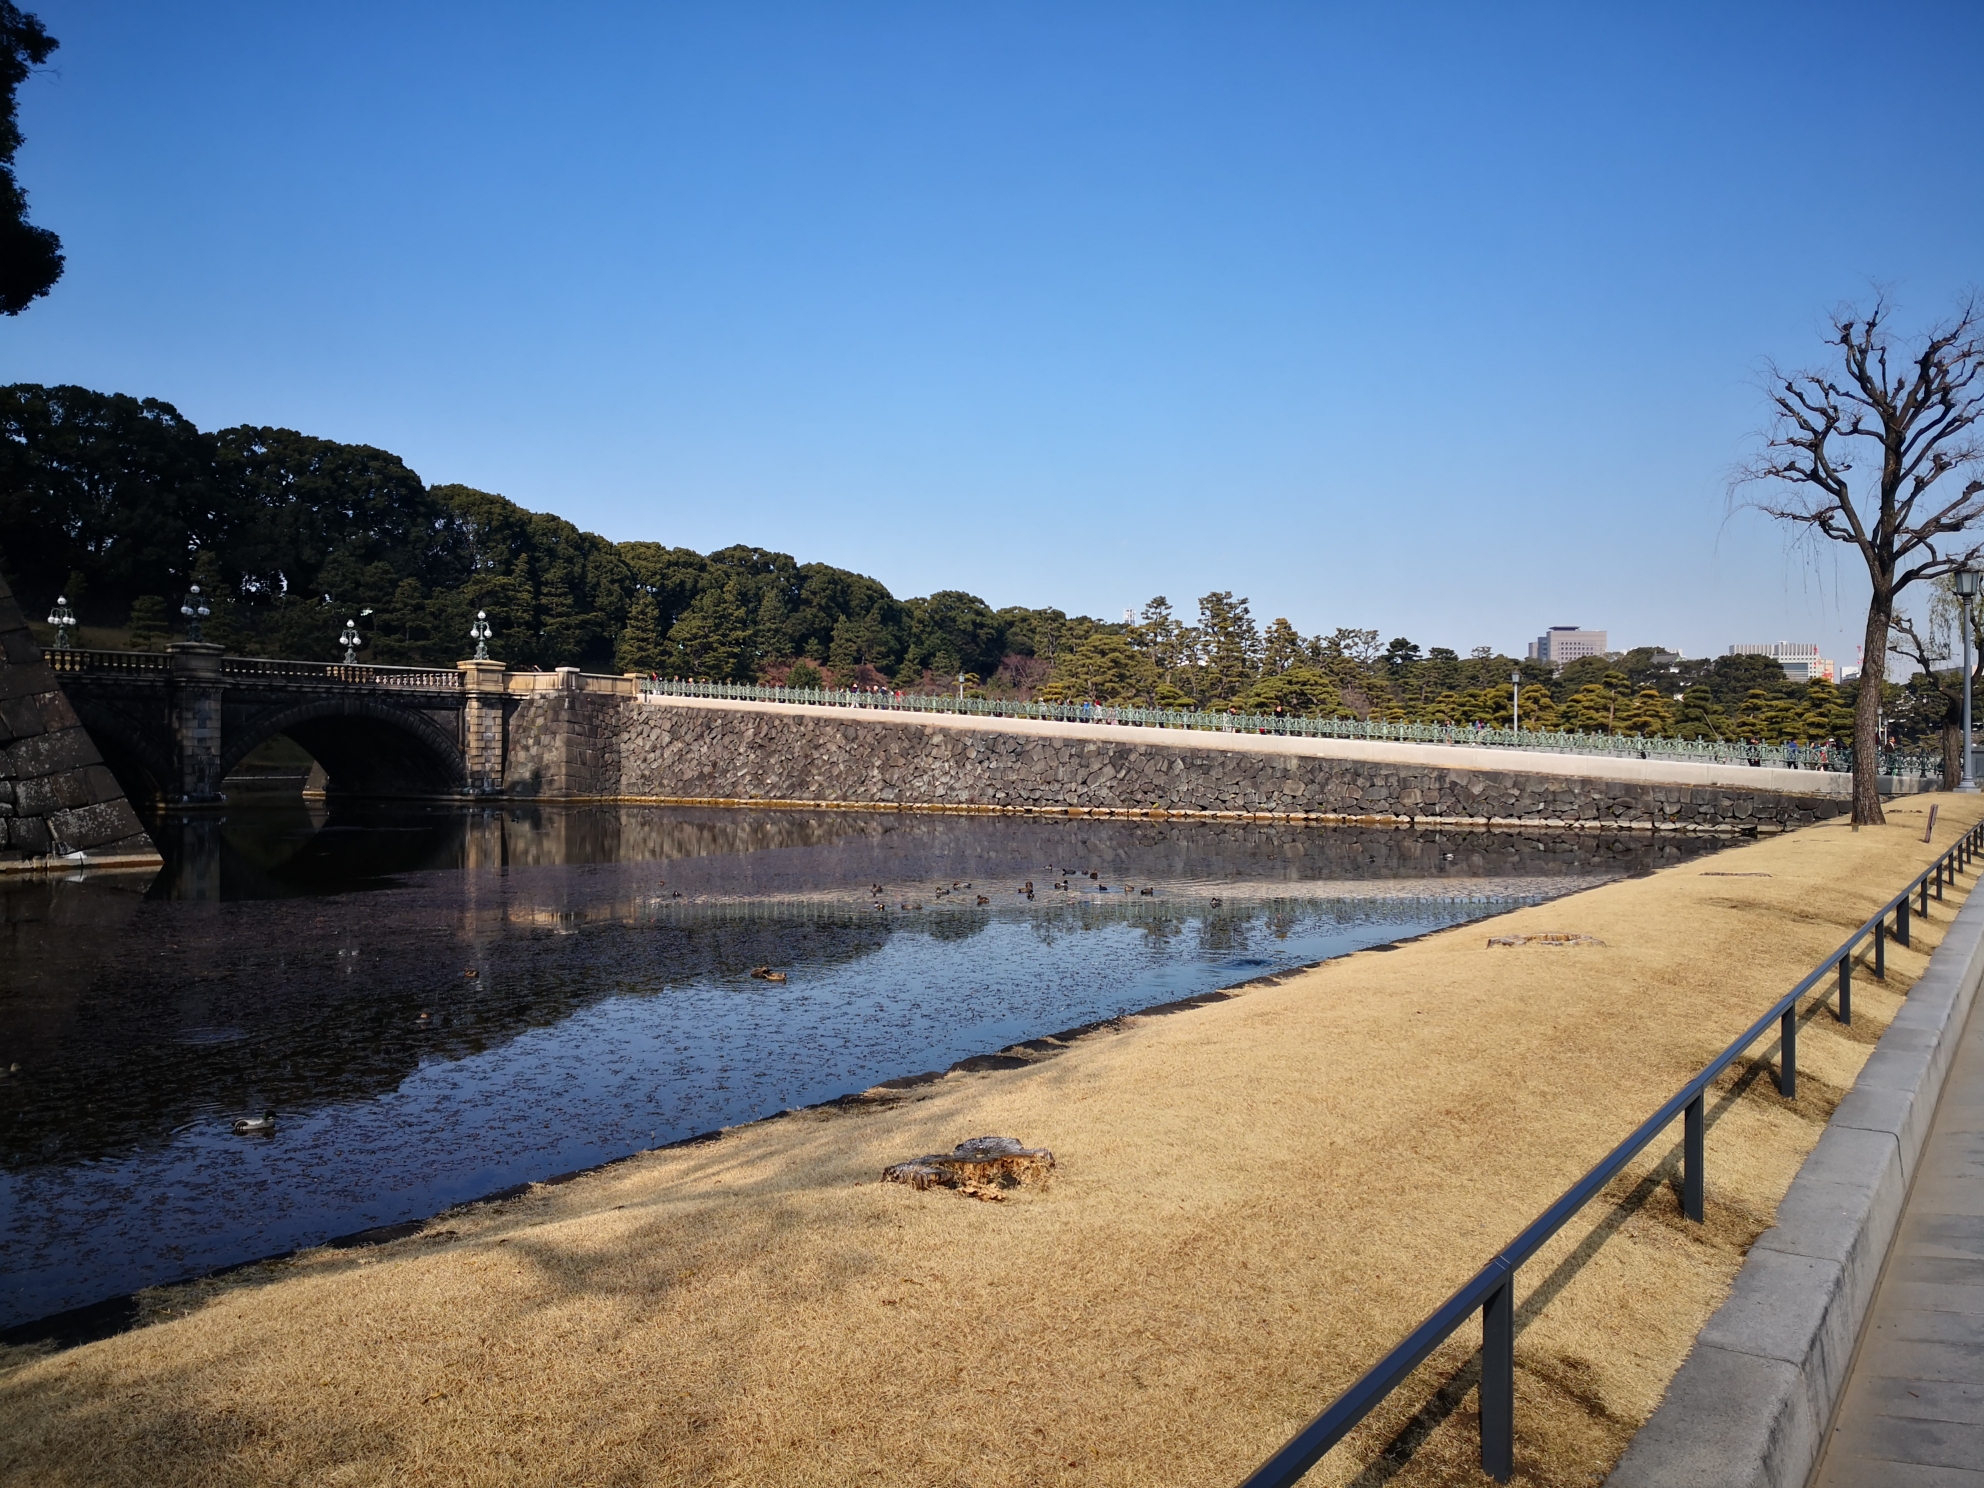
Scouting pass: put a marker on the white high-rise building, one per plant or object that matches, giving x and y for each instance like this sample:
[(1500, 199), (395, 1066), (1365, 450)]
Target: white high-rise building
[(1562, 643), (1801, 662)]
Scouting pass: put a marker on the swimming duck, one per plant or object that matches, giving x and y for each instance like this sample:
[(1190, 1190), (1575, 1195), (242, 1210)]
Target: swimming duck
[(255, 1125), (774, 976), (983, 900)]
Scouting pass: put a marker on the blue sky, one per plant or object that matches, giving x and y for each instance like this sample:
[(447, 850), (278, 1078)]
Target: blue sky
[(1445, 320)]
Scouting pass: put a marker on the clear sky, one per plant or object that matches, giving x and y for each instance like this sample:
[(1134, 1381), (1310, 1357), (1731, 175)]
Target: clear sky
[(1445, 320)]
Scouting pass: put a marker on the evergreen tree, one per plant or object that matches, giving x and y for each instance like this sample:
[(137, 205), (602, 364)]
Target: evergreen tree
[(30, 256), (1105, 668), (1281, 648), (712, 639), (1592, 709), (1231, 645), (1649, 715), (641, 647), (1301, 691), (1700, 716), (150, 627), (1539, 709)]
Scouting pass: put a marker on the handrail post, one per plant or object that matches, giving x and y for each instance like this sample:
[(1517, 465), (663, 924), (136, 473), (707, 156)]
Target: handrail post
[(1787, 1056), (1498, 1381), (1880, 950), (1846, 984), (1692, 1158), (1901, 922), (1941, 867)]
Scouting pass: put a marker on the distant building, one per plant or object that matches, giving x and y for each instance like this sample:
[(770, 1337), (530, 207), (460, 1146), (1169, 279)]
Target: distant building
[(1801, 662), (1562, 643)]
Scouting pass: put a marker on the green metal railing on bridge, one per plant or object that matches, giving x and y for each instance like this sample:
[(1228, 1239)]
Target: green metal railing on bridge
[(1829, 757)]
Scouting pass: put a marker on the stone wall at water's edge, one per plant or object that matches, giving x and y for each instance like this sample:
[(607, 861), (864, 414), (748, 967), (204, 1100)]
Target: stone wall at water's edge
[(654, 750)]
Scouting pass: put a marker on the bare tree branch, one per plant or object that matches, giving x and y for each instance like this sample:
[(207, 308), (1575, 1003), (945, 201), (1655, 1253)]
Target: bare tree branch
[(1885, 452)]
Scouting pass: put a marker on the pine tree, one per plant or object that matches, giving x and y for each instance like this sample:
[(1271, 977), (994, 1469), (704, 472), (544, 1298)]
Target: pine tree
[(712, 638), (1103, 669), (1592, 709), (640, 647), (1281, 648), (1539, 709), (1701, 716), (1232, 645), (150, 629)]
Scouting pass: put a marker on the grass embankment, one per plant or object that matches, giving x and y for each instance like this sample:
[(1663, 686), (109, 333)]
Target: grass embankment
[(1255, 1200)]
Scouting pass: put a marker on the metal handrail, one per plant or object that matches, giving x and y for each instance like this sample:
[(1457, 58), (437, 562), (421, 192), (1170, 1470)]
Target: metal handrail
[(1835, 758), (1491, 1289)]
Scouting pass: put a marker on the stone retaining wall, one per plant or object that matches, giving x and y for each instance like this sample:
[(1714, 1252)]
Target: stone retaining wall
[(56, 797), (677, 750)]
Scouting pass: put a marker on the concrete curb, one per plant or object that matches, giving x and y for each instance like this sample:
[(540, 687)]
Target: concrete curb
[(1751, 1403)]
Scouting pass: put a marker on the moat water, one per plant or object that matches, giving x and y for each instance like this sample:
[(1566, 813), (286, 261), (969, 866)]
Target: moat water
[(441, 1003)]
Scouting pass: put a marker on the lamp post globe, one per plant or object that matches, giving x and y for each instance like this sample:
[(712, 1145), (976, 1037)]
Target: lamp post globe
[(1965, 581), (195, 610), (351, 640), (62, 618)]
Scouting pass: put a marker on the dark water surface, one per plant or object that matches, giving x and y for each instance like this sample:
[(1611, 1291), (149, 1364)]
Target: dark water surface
[(284, 960)]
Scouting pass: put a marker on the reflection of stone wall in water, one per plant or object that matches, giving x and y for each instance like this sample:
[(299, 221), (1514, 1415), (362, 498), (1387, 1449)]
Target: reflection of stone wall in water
[(56, 797), (701, 753), (856, 847)]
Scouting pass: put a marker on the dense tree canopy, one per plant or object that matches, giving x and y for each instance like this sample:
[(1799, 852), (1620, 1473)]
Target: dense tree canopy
[(30, 256), (122, 502)]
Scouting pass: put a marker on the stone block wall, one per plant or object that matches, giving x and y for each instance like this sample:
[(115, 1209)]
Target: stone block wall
[(56, 796), (564, 742), (727, 754)]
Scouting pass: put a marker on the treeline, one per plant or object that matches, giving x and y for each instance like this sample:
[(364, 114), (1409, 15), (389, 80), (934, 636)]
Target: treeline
[(1227, 661), (122, 503)]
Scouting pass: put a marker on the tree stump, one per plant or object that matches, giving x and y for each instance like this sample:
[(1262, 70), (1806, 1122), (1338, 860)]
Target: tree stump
[(979, 1168)]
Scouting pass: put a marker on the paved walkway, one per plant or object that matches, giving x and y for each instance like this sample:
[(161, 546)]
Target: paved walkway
[(1913, 1412)]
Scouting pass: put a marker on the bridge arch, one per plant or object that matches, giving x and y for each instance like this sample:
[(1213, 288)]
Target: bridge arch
[(367, 747), (139, 757)]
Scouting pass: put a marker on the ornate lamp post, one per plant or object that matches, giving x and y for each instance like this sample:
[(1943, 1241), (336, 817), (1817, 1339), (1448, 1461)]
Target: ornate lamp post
[(195, 611), (1515, 708), (1966, 581), (351, 640), (61, 617), (480, 632)]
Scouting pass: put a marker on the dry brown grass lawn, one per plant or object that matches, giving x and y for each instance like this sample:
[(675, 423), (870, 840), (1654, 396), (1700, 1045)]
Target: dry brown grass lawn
[(1254, 1201)]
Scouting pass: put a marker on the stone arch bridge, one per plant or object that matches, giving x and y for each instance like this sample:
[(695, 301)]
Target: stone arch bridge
[(173, 725)]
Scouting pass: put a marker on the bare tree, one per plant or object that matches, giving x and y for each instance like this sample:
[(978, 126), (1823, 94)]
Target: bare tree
[(1909, 413)]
